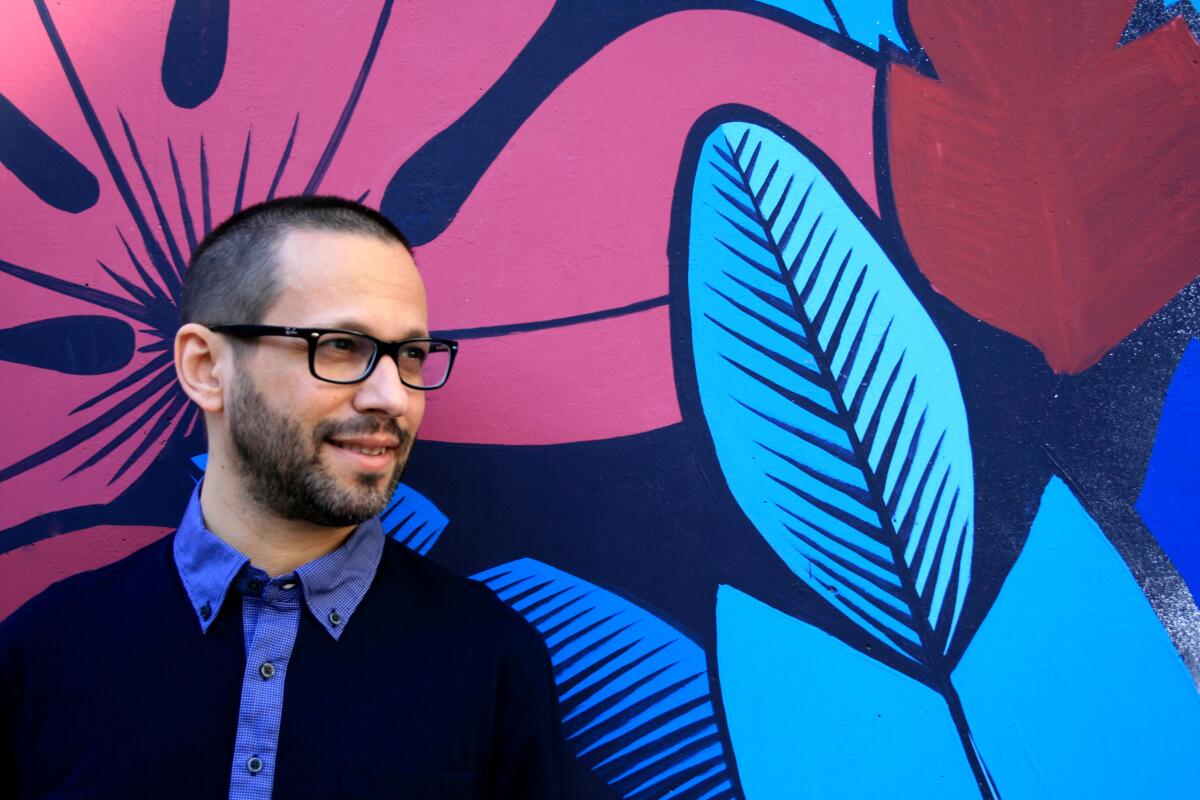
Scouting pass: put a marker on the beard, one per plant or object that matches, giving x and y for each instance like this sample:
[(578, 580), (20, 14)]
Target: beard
[(283, 468)]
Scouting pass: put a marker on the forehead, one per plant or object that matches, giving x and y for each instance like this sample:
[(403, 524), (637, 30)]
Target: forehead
[(330, 278)]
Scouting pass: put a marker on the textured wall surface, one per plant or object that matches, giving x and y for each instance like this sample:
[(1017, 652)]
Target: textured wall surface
[(829, 394)]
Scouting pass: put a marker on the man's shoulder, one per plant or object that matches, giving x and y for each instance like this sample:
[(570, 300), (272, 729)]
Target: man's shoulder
[(77, 599), (464, 599)]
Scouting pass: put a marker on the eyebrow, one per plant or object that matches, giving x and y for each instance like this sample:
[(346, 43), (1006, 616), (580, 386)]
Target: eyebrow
[(353, 325)]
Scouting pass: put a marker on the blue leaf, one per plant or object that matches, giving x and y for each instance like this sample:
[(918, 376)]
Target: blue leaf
[(1071, 685), (862, 20), (194, 56), (633, 691), (410, 518), (1170, 498), (811, 717), (413, 520), (832, 401)]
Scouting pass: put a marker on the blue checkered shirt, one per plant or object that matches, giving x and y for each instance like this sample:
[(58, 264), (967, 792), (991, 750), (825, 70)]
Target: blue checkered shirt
[(330, 587)]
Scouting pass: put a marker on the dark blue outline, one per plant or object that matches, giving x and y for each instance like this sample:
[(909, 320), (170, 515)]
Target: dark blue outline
[(488, 331), (339, 130), (936, 670), (426, 192)]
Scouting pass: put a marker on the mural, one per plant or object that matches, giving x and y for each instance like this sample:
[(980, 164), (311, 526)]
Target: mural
[(829, 386)]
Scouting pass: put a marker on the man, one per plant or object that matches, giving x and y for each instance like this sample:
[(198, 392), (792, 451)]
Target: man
[(278, 644)]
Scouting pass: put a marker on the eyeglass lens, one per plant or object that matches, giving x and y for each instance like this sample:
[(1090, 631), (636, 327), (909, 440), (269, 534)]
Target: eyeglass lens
[(345, 357)]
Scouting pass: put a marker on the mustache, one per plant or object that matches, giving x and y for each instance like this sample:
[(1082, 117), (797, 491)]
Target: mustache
[(361, 426)]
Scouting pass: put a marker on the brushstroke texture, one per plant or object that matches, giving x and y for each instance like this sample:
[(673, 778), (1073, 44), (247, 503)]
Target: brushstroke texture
[(1047, 180)]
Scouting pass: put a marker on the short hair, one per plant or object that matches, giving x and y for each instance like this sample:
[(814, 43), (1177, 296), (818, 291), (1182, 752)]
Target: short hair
[(231, 275)]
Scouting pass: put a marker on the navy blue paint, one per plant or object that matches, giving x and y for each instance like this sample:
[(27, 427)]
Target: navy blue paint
[(1150, 15), (162, 379), (94, 296), (185, 210), (79, 345), (168, 479), (837, 17), (339, 130), (426, 192), (204, 196), (194, 59), (157, 257), (283, 159), (487, 331), (176, 256), (241, 184), (42, 164)]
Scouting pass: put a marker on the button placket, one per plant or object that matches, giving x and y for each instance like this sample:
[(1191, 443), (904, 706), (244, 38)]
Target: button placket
[(270, 623)]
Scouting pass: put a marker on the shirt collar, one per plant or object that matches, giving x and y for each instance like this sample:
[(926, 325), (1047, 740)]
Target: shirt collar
[(333, 584)]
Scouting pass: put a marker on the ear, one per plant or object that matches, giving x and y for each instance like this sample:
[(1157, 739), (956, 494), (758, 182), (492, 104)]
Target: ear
[(202, 366)]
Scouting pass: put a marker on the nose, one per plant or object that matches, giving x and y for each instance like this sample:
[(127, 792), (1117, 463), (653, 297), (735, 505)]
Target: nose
[(382, 391)]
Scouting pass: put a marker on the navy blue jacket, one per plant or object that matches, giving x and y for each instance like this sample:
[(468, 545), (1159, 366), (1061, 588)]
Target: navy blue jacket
[(109, 689)]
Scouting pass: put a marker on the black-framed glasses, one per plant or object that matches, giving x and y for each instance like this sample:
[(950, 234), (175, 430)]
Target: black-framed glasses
[(340, 356)]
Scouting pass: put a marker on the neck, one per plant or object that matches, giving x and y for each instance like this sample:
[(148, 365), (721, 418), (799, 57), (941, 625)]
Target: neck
[(275, 545)]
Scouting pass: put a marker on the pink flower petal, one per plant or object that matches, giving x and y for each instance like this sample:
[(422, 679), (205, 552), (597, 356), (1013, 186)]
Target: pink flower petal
[(573, 218)]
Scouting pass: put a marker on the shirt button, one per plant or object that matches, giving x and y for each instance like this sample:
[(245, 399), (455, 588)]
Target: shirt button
[(267, 670), (288, 586), (255, 765), (335, 618)]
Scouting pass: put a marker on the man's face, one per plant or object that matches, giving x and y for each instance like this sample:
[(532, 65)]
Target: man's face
[(321, 452)]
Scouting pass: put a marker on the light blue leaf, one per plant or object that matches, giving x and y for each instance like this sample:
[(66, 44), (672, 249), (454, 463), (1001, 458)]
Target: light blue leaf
[(862, 20), (633, 691), (1071, 685), (410, 517), (811, 717), (832, 401)]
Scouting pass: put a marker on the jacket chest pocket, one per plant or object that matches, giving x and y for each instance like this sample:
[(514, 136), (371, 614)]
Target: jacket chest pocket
[(360, 782)]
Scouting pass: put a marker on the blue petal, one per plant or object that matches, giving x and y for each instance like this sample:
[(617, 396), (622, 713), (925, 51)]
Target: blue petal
[(1071, 685), (1170, 499), (811, 717)]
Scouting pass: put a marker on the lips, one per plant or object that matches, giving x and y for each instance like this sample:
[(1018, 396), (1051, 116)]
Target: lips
[(369, 452), (365, 449)]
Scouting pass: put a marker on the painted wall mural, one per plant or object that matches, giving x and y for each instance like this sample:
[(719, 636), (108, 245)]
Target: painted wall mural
[(830, 386)]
